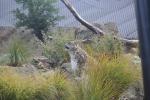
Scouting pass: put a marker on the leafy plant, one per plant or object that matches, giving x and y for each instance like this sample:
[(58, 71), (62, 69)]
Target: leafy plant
[(38, 15), (55, 51), (18, 52)]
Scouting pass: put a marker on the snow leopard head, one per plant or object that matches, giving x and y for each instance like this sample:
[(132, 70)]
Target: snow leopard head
[(71, 46)]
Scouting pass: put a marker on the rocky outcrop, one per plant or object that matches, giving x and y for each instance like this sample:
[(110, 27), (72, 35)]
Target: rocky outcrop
[(107, 28), (22, 32)]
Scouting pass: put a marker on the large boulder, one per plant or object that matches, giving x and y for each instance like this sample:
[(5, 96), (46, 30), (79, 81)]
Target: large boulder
[(108, 28)]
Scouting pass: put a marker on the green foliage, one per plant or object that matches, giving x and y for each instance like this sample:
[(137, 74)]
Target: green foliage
[(56, 54), (38, 15), (18, 52), (54, 49)]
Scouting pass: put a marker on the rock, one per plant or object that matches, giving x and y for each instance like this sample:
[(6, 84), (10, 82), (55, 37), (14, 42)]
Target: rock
[(22, 32), (134, 92), (137, 60), (26, 69), (6, 32), (41, 59), (128, 49), (83, 33), (111, 28), (108, 28), (41, 62)]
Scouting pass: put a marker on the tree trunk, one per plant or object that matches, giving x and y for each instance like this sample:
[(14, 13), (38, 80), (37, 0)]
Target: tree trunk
[(39, 35), (94, 29)]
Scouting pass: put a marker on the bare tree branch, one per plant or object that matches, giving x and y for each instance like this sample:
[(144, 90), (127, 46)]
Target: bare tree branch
[(129, 43), (91, 27)]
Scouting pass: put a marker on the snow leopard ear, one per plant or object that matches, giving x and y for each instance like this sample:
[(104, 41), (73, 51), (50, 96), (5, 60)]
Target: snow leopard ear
[(75, 42), (87, 41)]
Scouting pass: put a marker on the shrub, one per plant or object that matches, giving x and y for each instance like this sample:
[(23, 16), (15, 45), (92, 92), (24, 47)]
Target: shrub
[(107, 79), (38, 15), (55, 51), (18, 52)]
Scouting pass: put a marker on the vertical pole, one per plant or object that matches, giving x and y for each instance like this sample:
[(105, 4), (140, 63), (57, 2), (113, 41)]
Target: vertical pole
[(143, 19)]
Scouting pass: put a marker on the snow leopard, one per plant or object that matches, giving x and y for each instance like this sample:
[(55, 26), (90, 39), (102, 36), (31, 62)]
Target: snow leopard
[(78, 57)]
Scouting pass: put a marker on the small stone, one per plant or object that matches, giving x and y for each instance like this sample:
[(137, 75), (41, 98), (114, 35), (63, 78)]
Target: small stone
[(41, 62)]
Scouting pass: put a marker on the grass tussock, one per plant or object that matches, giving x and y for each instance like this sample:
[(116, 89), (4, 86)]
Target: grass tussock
[(18, 52), (17, 87), (109, 72), (107, 79)]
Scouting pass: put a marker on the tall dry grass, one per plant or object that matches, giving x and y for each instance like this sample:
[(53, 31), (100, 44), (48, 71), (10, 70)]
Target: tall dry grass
[(16, 87), (108, 78), (104, 80), (109, 73)]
